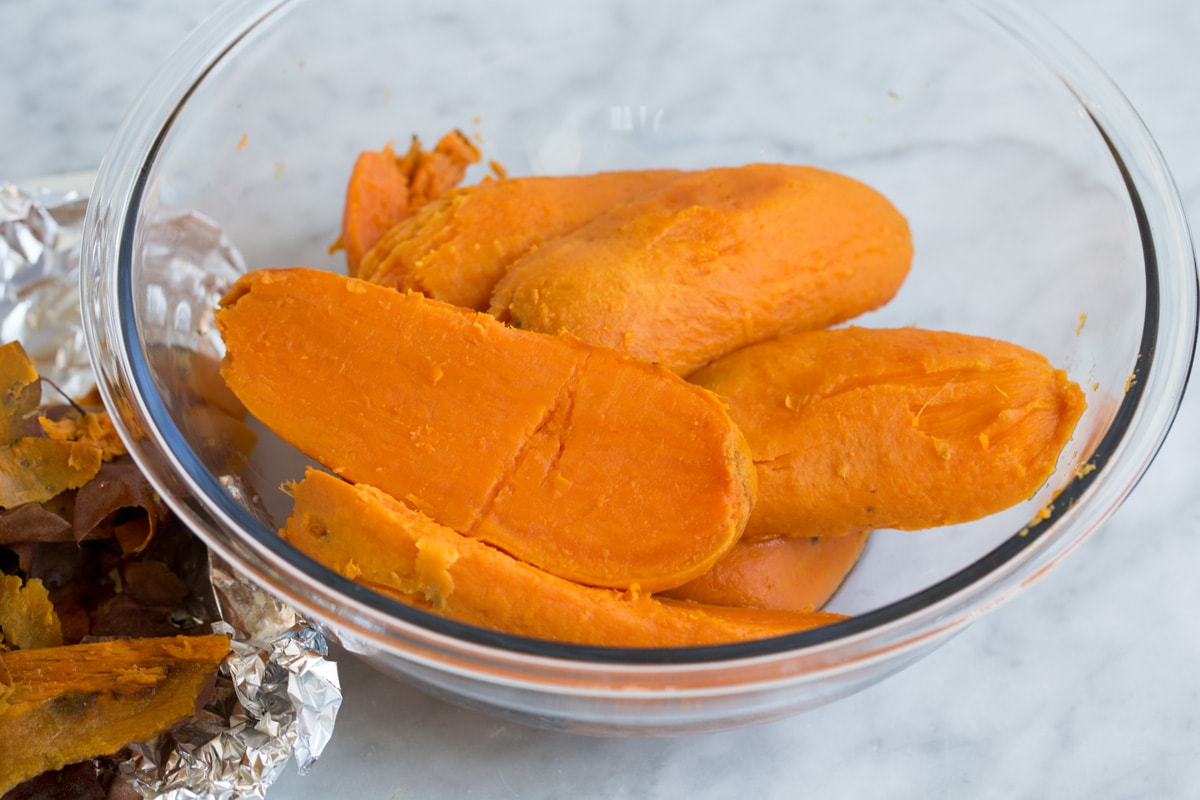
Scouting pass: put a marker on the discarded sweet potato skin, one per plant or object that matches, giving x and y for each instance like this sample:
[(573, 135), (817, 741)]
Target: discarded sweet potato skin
[(456, 248), (20, 390), (366, 535), (898, 428), (785, 573), (714, 261), (33, 470), (574, 458), (65, 704), (27, 617)]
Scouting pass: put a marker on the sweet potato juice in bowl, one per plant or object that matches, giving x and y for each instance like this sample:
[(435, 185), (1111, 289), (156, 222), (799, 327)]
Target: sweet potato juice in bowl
[(1040, 218)]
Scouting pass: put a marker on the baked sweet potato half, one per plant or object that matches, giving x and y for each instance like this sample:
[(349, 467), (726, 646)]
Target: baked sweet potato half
[(892, 428), (370, 537), (574, 458)]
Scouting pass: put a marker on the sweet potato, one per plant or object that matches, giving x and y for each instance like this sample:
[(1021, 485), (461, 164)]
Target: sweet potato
[(787, 574), (384, 188), (67, 454), (33, 470), (376, 199), (574, 458), (20, 390), (713, 261), (63, 704), (432, 174), (901, 428), (456, 248), (368, 536), (27, 617), (92, 428)]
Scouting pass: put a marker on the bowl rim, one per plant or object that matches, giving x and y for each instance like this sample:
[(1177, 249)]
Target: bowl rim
[(1161, 370)]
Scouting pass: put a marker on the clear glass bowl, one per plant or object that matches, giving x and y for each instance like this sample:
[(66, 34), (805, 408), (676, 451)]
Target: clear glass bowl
[(1041, 210)]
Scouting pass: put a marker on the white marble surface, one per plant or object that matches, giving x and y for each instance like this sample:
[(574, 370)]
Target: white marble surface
[(1085, 686)]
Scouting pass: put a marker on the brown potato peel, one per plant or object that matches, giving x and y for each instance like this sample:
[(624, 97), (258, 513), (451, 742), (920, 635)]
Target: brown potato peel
[(80, 559), (65, 704), (66, 452), (20, 391), (27, 617)]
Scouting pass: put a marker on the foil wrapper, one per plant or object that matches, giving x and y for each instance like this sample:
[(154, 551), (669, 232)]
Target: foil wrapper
[(40, 232), (277, 693), (277, 699)]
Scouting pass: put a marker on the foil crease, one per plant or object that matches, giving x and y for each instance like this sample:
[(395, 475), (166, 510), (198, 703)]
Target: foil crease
[(280, 699), (277, 695), (39, 281)]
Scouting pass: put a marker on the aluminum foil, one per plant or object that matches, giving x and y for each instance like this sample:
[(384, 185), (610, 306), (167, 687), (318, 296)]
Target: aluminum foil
[(39, 281), (277, 693), (276, 699)]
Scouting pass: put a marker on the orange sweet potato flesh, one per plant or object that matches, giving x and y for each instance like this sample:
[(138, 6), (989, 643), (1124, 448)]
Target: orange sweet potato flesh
[(571, 457), (457, 247), (384, 188), (376, 198), (898, 428), (433, 173), (368, 536), (61, 705), (713, 261), (787, 574)]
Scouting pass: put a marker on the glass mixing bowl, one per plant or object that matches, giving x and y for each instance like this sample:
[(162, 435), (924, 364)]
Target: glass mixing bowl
[(1041, 212)]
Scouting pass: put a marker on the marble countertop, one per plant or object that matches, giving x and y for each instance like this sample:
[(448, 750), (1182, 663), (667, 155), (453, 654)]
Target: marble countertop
[(1085, 686)]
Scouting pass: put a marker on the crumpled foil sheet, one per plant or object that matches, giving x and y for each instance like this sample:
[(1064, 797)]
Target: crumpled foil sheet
[(39, 281), (277, 694), (280, 698)]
